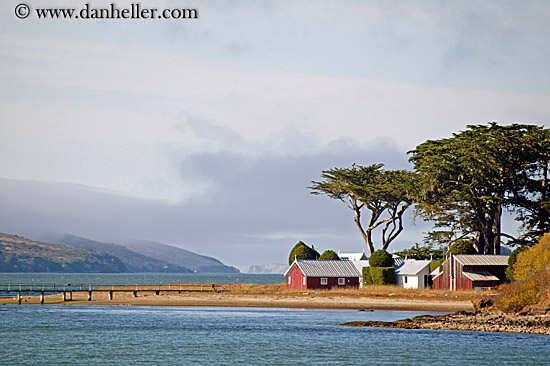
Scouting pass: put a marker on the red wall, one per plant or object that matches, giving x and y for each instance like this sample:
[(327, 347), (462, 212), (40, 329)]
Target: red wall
[(462, 282), (297, 278)]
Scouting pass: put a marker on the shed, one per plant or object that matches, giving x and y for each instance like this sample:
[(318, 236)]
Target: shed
[(471, 271), (413, 274), (316, 274)]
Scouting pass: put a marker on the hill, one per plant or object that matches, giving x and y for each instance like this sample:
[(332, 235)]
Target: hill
[(18, 254), (181, 257), (134, 262)]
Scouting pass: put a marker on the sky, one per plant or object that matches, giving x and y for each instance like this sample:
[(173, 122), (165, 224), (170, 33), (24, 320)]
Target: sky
[(205, 133)]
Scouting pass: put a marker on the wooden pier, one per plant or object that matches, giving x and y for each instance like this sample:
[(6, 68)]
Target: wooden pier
[(67, 290)]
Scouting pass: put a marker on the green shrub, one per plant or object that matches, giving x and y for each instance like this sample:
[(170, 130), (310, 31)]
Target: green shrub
[(367, 278), (381, 258), (329, 255), (302, 251), (463, 246), (434, 265), (379, 276)]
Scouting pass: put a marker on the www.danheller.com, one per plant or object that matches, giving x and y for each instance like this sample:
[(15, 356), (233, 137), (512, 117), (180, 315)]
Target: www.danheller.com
[(133, 11)]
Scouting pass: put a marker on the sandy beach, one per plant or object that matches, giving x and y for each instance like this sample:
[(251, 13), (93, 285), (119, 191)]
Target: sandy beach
[(283, 299)]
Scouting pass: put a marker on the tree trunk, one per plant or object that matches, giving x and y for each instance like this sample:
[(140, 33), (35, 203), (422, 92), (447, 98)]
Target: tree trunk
[(496, 229), (479, 242), (366, 237)]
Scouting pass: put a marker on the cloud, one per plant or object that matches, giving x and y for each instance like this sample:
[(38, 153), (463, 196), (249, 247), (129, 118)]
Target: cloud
[(253, 210)]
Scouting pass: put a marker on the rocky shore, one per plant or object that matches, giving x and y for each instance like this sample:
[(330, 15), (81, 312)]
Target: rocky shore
[(463, 320)]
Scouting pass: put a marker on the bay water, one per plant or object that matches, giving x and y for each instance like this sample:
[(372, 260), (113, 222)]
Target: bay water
[(158, 335)]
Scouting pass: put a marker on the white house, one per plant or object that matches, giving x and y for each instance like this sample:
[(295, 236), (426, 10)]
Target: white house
[(352, 256), (413, 274), (359, 260)]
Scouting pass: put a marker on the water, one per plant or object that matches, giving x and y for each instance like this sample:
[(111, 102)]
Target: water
[(140, 335), (137, 278)]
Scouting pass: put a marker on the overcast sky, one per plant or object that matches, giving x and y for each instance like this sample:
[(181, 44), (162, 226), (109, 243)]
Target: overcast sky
[(205, 133)]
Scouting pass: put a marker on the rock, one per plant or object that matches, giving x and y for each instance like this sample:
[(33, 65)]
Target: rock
[(482, 303)]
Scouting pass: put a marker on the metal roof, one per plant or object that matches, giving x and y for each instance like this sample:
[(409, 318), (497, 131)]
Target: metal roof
[(480, 276), (411, 267), (481, 260), (397, 261), (316, 268)]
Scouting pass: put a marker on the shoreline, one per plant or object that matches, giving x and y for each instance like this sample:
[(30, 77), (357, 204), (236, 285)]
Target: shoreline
[(227, 299), (466, 321), (458, 312)]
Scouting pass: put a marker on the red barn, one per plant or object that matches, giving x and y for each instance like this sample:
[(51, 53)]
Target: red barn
[(470, 271), (315, 274)]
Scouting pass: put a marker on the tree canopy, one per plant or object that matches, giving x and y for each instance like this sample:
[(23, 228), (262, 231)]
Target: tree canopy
[(302, 251), (381, 258), (462, 184), (329, 255), (467, 180), (386, 194), (421, 252)]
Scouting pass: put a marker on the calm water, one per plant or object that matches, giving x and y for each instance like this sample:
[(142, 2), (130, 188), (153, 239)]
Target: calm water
[(126, 335), (141, 335), (137, 278)]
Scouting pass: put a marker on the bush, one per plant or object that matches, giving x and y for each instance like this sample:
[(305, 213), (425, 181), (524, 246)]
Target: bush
[(512, 260), (533, 260), (514, 296), (434, 265), (379, 276), (531, 274), (381, 258), (329, 255), (367, 278), (462, 246), (302, 251)]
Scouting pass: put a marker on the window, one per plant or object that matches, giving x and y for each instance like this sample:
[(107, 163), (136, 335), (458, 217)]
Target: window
[(405, 279), (304, 281), (341, 281), (289, 280), (324, 281)]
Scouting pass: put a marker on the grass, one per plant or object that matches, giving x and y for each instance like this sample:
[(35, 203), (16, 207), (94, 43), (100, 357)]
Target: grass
[(368, 291)]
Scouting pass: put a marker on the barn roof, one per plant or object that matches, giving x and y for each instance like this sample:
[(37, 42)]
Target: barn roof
[(411, 267), (481, 260), (480, 276), (316, 268)]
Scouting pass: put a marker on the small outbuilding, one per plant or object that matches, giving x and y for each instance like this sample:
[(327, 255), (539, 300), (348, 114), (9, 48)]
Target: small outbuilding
[(413, 274), (471, 271), (316, 274)]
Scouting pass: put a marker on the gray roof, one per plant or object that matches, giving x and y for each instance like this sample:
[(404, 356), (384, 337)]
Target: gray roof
[(480, 276), (411, 267), (316, 268), (481, 260)]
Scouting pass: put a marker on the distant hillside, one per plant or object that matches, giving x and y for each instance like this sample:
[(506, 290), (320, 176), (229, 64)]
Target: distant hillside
[(19, 254), (182, 257), (267, 269), (134, 261)]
